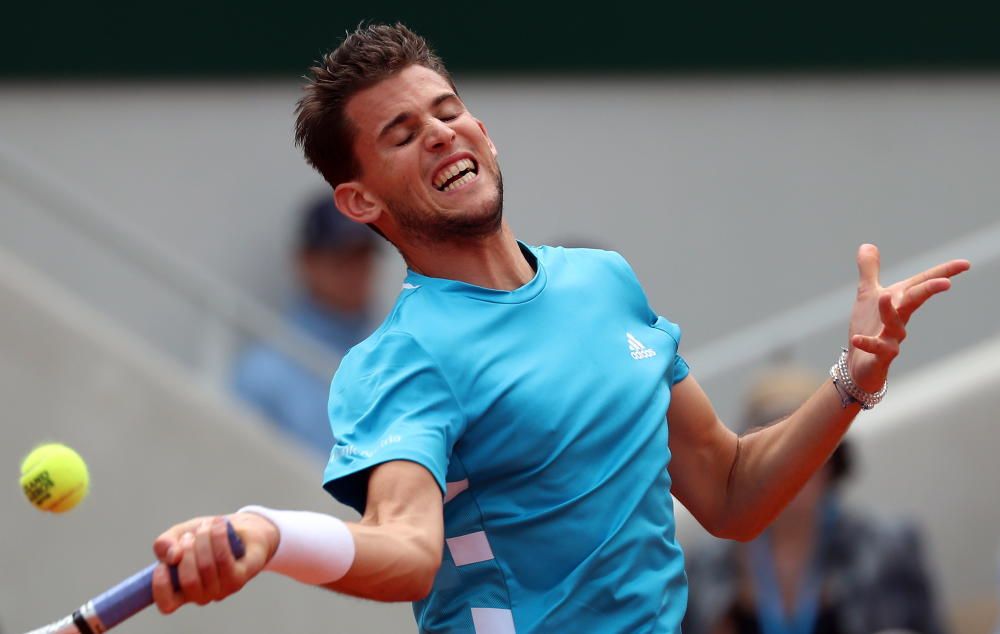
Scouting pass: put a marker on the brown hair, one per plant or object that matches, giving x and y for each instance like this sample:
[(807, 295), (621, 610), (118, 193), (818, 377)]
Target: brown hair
[(365, 57)]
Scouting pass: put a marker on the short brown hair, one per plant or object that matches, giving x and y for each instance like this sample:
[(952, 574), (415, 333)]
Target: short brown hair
[(365, 57)]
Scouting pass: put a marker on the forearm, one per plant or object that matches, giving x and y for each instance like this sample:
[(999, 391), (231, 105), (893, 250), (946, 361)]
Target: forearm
[(391, 563), (772, 464), (736, 486), (391, 554)]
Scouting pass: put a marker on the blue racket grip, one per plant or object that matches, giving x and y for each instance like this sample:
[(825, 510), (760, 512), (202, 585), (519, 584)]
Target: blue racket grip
[(136, 593)]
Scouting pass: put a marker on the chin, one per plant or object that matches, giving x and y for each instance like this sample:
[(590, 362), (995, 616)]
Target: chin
[(480, 218), (482, 221), (486, 213)]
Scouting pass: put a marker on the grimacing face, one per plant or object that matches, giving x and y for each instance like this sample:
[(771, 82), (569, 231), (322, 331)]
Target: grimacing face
[(426, 162)]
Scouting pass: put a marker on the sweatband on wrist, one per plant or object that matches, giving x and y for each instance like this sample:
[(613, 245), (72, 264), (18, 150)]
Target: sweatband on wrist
[(312, 547)]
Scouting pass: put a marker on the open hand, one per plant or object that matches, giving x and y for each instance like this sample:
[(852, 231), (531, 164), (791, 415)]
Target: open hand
[(880, 314)]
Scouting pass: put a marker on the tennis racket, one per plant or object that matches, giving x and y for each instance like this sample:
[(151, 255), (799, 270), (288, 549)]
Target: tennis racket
[(123, 601)]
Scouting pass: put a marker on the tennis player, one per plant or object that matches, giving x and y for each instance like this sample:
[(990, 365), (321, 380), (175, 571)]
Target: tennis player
[(513, 431)]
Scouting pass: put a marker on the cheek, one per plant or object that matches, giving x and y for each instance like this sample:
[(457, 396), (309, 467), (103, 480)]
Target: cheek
[(389, 177), (382, 163), (401, 171)]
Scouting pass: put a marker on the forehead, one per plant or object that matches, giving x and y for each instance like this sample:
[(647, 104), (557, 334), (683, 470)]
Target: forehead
[(410, 90)]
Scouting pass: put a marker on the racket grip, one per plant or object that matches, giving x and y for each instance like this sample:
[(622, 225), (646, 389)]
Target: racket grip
[(235, 544), (136, 593)]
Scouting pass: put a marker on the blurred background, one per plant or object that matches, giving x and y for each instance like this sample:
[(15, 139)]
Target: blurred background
[(166, 260)]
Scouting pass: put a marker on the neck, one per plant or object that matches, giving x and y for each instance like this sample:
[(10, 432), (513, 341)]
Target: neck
[(494, 261)]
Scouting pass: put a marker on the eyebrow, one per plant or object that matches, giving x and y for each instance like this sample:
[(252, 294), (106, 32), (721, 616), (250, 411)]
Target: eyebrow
[(403, 116)]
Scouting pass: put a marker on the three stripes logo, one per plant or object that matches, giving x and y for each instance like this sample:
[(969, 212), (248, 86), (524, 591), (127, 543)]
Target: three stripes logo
[(637, 350)]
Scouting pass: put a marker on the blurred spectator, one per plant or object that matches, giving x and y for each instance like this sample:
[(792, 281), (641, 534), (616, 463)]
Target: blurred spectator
[(335, 262), (819, 567)]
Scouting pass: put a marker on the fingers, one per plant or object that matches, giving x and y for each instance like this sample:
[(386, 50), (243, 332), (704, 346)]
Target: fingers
[(915, 296), (187, 572), (870, 373), (884, 349), (206, 562), (881, 337), (166, 599), (944, 270), (168, 550), (893, 332), (260, 539), (229, 578), (165, 546), (885, 346), (868, 266), (893, 325), (206, 568)]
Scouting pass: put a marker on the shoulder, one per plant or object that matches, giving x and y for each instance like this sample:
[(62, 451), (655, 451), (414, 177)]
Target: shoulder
[(396, 339), (579, 256), (592, 265), (603, 273), (387, 350)]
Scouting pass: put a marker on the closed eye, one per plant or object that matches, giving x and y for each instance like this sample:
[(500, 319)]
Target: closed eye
[(406, 141)]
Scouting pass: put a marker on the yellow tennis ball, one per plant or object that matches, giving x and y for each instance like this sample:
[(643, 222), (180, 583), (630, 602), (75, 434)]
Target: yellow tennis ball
[(54, 478)]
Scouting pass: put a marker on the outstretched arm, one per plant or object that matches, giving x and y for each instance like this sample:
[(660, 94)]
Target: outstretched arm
[(735, 486), (397, 545)]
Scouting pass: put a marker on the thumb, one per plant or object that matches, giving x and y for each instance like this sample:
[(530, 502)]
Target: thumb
[(163, 548), (868, 265)]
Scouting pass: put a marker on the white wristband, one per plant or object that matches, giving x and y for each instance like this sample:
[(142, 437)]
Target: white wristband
[(312, 547)]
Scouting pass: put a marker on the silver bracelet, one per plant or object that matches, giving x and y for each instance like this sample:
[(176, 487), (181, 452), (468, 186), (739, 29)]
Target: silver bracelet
[(849, 390)]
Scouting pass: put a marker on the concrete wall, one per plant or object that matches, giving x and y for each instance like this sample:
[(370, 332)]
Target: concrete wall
[(735, 199), (932, 456), (929, 454), (160, 449)]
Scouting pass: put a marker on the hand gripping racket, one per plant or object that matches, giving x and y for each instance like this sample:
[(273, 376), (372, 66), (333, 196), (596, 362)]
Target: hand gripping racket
[(123, 601)]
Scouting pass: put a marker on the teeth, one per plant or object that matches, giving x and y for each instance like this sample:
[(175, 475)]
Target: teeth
[(452, 170), (462, 181)]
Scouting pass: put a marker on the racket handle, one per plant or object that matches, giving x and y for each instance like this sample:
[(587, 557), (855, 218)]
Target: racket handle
[(136, 593), (235, 544)]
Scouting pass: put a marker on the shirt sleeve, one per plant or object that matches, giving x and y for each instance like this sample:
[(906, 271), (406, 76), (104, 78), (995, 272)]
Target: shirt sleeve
[(389, 401), (679, 369)]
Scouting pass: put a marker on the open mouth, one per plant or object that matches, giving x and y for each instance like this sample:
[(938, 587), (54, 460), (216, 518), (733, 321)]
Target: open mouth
[(457, 174)]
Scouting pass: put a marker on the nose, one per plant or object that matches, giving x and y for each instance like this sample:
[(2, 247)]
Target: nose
[(439, 135)]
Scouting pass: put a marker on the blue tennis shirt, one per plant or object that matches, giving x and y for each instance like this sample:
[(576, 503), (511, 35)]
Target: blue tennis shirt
[(541, 413)]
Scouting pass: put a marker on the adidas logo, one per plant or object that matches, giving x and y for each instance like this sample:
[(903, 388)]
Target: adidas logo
[(637, 350)]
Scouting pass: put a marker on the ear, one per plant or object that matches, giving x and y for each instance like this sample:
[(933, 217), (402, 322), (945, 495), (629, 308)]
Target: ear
[(482, 126), (357, 203)]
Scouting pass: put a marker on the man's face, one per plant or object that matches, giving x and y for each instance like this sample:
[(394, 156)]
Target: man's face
[(425, 159)]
